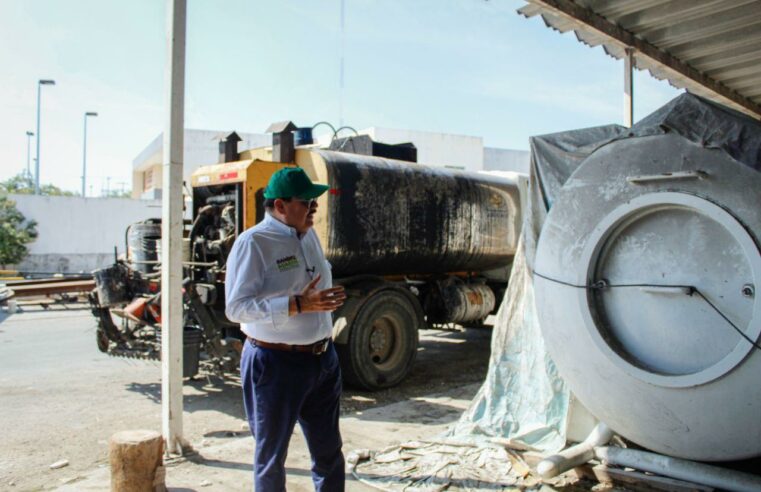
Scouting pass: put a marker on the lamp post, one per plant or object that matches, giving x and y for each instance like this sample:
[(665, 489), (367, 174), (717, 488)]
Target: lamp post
[(84, 153), (40, 83), (29, 136)]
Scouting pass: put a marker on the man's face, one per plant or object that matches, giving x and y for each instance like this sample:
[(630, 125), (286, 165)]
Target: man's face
[(299, 213)]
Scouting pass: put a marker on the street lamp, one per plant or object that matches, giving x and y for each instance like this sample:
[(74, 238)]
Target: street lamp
[(84, 153), (29, 136), (40, 83)]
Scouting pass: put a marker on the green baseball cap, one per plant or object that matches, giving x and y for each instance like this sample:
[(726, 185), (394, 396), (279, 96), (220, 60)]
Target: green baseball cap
[(293, 182)]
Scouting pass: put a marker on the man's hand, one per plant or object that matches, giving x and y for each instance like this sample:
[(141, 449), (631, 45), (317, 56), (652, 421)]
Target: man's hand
[(313, 300)]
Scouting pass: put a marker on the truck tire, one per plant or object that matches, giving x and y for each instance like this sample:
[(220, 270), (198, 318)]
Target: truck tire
[(383, 340)]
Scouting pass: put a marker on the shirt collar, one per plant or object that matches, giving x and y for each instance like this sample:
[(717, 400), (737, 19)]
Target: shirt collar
[(279, 226)]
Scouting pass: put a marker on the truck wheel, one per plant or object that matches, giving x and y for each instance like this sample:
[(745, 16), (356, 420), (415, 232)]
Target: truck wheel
[(383, 340)]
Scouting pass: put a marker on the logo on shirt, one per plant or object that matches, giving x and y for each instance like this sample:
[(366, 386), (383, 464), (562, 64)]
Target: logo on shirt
[(287, 263)]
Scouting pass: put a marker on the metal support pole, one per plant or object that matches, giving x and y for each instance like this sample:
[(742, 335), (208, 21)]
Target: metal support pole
[(37, 153), (29, 136), (341, 68), (40, 83), (628, 88), (84, 159), (171, 230), (84, 154)]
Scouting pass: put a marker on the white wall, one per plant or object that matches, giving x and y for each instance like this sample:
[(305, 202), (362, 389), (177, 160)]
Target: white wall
[(436, 149), (506, 160), (79, 234)]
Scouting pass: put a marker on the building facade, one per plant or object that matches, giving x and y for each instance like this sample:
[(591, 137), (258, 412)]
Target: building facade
[(460, 152), (201, 147)]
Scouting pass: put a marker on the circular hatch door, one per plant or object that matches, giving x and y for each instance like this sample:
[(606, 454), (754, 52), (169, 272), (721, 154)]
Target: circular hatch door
[(648, 256)]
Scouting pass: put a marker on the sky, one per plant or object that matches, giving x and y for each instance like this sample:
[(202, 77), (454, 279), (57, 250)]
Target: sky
[(470, 67)]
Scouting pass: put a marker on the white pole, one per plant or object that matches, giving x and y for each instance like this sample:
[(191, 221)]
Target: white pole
[(171, 230), (84, 153), (628, 88), (37, 153), (694, 472), (40, 83), (341, 69), (84, 158), (29, 136)]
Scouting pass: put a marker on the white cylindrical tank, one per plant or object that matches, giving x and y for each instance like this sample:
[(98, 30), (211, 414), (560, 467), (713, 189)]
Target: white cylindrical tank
[(645, 278)]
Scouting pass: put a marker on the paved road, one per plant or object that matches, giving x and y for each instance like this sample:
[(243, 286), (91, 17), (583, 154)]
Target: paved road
[(60, 398)]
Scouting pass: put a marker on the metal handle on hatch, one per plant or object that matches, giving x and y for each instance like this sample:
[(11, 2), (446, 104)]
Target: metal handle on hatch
[(668, 176), (669, 291)]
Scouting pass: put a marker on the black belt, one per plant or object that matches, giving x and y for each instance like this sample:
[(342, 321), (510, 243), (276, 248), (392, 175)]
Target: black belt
[(316, 348)]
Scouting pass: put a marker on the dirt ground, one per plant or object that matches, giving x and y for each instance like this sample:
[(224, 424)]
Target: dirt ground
[(61, 399)]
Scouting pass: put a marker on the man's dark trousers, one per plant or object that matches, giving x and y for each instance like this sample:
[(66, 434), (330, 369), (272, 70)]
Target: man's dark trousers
[(281, 388)]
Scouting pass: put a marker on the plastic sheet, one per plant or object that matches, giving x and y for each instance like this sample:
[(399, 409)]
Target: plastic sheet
[(707, 124), (432, 465), (523, 398)]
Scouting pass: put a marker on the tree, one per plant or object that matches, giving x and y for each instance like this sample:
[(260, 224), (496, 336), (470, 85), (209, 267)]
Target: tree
[(118, 194), (15, 232), (23, 184)]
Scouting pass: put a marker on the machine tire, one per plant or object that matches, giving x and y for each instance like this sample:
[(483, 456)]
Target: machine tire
[(101, 339), (383, 340)]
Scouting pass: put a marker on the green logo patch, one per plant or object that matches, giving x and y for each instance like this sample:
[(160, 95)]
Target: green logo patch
[(287, 263)]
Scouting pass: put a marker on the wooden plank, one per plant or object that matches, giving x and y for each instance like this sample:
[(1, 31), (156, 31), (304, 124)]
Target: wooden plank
[(38, 281), (38, 302), (46, 289)]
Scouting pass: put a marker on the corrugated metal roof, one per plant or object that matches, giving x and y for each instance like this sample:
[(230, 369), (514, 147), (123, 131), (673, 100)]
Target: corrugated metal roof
[(710, 47)]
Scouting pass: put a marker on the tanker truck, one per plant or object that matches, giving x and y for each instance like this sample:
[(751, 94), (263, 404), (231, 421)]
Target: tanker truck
[(414, 246)]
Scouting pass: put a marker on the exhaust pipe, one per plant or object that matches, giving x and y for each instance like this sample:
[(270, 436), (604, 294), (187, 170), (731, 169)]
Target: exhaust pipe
[(283, 149)]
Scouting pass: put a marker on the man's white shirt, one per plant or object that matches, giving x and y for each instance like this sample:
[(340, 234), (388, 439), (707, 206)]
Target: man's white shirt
[(267, 264)]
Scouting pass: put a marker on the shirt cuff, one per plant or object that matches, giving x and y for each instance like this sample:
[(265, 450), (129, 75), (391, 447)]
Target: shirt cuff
[(279, 308)]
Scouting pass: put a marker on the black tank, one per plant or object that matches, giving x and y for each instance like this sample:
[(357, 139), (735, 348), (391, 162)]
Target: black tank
[(393, 217)]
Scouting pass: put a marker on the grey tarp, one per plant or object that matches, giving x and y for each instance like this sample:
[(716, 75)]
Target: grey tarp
[(709, 125), (523, 398), (554, 157)]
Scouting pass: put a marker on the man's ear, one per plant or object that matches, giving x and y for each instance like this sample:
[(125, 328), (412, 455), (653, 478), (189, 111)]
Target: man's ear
[(279, 205)]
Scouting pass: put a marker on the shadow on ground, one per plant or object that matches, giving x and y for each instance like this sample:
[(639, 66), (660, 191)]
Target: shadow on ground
[(445, 359), (200, 394)]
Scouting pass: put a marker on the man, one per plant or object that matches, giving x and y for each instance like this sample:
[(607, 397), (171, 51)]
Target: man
[(279, 288)]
